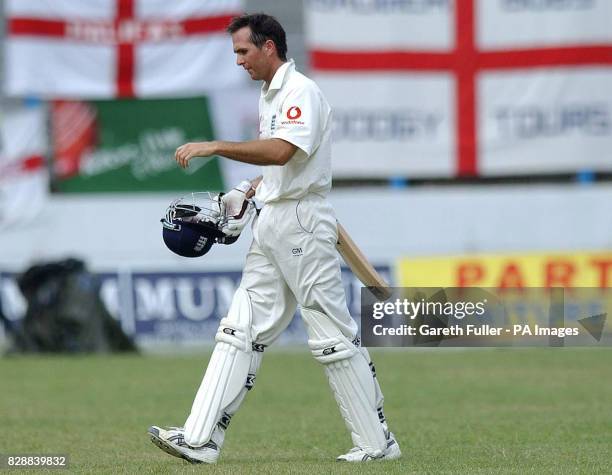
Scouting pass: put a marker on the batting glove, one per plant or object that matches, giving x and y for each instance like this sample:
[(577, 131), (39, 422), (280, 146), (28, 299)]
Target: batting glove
[(238, 209)]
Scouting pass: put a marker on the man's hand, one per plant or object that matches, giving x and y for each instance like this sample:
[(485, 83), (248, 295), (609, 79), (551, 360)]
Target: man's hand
[(235, 224), (194, 149), (238, 209), (234, 200)]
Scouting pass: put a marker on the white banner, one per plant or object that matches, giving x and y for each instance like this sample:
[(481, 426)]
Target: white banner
[(504, 87), (527, 23), (391, 125), (24, 179), (119, 48), (543, 121), (375, 25)]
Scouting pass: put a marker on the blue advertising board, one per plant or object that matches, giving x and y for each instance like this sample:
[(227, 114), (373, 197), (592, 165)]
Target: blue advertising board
[(173, 308)]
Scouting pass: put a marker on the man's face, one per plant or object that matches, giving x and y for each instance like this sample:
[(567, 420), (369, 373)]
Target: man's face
[(255, 60)]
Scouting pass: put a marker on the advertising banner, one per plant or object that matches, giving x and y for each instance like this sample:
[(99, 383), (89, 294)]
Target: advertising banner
[(501, 87), (539, 299), (388, 133), (545, 121), (173, 308), (128, 145), (586, 269)]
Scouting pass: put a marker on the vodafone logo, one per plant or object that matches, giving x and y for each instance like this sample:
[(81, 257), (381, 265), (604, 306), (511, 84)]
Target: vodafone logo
[(293, 113)]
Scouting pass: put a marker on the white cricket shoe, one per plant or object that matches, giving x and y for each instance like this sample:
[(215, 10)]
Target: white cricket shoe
[(172, 441), (357, 454)]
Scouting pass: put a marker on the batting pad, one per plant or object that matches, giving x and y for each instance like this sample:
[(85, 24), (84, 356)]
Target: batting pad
[(380, 399), (351, 381), (227, 373)]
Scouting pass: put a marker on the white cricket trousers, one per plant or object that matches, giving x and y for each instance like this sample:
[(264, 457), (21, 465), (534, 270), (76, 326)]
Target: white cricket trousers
[(293, 261)]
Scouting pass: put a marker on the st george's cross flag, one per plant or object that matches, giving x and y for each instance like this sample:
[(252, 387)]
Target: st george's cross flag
[(24, 178), (99, 49), (446, 88)]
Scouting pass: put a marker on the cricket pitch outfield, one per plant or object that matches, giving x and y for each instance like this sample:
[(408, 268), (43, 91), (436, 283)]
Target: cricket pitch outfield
[(544, 410)]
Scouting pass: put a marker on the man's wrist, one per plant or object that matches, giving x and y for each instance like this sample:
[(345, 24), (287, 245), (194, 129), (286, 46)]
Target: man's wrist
[(216, 149)]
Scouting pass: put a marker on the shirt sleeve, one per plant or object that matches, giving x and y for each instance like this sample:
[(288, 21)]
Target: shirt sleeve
[(300, 121)]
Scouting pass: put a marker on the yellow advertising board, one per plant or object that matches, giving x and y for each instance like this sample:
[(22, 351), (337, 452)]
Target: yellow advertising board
[(580, 269)]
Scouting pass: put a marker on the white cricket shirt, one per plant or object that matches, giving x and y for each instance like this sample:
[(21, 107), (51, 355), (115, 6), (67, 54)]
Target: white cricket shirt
[(293, 108)]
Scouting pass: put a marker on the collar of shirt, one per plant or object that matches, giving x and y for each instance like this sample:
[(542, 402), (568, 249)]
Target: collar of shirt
[(279, 77)]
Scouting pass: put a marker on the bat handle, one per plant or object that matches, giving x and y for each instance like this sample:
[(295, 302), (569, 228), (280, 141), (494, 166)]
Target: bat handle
[(381, 293)]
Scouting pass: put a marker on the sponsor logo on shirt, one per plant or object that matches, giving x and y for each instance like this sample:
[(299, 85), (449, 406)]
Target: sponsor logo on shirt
[(293, 114)]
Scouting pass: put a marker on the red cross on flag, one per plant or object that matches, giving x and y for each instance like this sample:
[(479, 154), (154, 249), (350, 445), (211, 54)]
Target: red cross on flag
[(24, 179), (441, 88), (119, 48)]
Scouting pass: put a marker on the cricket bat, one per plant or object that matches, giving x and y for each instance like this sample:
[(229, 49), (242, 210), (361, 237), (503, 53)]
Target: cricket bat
[(360, 266)]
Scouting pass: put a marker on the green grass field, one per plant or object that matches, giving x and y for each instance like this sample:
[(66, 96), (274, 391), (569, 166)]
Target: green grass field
[(476, 411)]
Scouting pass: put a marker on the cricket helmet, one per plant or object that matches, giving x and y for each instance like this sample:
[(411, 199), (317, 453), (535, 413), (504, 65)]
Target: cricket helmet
[(193, 223)]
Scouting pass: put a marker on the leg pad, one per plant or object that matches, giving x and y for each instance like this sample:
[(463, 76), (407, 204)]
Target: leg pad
[(351, 381), (230, 372)]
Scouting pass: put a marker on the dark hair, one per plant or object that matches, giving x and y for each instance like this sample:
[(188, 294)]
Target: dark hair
[(263, 27)]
